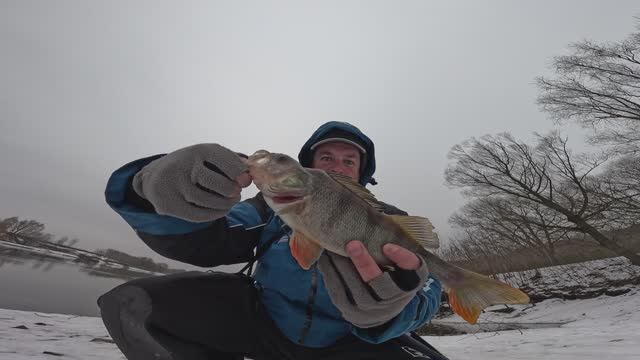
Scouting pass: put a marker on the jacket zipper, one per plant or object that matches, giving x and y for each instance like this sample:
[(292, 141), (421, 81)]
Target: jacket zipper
[(310, 301)]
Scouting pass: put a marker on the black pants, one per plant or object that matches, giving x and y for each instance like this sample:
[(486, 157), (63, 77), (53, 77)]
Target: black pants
[(198, 316)]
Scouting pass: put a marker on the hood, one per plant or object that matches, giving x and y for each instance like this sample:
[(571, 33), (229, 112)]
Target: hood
[(367, 169)]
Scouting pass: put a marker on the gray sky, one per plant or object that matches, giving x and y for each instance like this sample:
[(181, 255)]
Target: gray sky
[(87, 86)]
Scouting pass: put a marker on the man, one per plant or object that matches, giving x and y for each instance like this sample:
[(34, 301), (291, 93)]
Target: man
[(185, 206)]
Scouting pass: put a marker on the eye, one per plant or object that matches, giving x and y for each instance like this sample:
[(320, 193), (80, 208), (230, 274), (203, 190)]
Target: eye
[(281, 158), (349, 162), (293, 181), (325, 158)]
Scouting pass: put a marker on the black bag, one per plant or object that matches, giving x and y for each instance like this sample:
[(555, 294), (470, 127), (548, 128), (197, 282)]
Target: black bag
[(191, 315)]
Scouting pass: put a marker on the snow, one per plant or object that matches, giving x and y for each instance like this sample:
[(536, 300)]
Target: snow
[(68, 335), (579, 280), (592, 326), (606, 327)]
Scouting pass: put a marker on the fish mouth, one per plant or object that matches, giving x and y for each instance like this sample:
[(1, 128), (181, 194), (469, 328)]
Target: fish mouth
[(283, 197)]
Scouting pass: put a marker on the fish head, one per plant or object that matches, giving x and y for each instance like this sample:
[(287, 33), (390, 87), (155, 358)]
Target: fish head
[(282, 180)]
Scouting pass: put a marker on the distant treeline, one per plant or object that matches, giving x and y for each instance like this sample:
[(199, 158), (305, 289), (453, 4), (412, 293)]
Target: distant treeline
[(32, 233), (577, 249), (139, 262), (29, 232)]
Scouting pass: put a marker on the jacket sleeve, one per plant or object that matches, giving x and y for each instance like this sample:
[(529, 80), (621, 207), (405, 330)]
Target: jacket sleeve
[(228, 240), (422, 308)]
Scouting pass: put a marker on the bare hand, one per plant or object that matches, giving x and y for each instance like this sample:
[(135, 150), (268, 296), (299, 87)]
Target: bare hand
[(366, 265)]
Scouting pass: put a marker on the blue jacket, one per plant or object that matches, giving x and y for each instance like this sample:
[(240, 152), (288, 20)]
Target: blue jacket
[(296, 299)]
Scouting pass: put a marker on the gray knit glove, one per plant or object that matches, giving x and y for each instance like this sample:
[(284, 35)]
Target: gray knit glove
[(369, 304), (195, 183)]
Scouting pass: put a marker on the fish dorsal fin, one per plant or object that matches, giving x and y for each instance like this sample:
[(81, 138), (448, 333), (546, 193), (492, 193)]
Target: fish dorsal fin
[(305, 251), (419, 229), (357, 189)]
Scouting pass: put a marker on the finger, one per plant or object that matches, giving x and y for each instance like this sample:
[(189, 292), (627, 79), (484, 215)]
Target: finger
[(214, 182), (224, 161), (342, 279), (190, 210), (402, 257), (362, 260), (244, 180), (191, 213), (199, 196), (335, 282)]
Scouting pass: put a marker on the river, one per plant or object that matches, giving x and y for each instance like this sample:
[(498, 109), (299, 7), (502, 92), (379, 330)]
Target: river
[(34, 283)]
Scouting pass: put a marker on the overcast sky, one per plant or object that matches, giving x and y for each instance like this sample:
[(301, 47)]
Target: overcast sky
[(87, 86)]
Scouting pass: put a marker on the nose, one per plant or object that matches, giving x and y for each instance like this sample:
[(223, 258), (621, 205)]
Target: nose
[(337, 168)]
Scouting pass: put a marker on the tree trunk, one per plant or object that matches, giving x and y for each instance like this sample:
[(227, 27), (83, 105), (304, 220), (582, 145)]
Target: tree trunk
[(549, 255), (606, 242), (552, 253), (595, 233)]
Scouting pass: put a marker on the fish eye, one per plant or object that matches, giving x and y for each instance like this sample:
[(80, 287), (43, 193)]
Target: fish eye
[(292, 181), (281, 158)]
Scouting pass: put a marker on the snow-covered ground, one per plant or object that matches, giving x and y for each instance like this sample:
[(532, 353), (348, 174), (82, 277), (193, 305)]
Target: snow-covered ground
[(602, 327), (610, 276), (28, 335), (606, 327)]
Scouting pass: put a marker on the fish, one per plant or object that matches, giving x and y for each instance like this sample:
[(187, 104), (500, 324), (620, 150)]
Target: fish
[(327, 210)]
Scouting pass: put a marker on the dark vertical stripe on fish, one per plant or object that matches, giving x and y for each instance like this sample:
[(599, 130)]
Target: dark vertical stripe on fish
[(337, 215)]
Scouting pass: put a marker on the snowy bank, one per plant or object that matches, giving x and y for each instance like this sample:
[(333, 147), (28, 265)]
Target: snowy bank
[(605, 327), (28, 335), (612, 276)]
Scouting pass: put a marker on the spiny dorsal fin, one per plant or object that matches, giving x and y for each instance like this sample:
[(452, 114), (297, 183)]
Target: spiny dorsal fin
[(419, 229), (357, 189)]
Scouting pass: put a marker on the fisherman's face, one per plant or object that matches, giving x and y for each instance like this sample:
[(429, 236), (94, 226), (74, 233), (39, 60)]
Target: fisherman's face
[(338, 157)]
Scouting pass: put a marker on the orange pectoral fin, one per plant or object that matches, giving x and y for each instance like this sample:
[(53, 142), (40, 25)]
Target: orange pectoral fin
[(305, 251)]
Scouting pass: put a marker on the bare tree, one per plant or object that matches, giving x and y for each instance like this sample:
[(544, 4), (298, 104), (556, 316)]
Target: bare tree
[(598, 85), (4, 225), (515, 224), (22, 231), (547, 174), (617, 190), (478, 249)]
